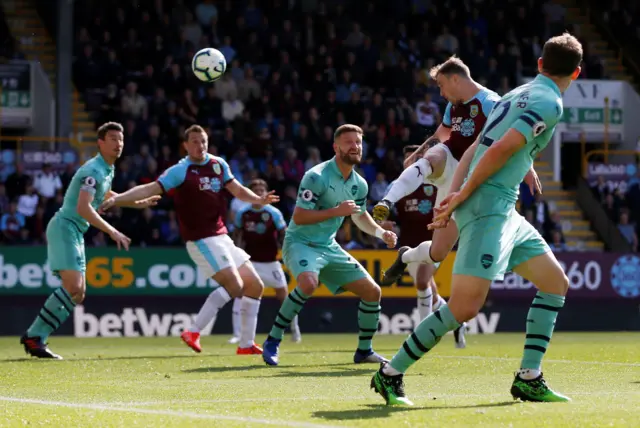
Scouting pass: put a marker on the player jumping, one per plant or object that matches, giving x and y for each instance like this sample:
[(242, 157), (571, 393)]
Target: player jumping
[(413, 212), (465, 115), (329, 192), (494, 238), (260, 230), (199, 179), (65, 237)]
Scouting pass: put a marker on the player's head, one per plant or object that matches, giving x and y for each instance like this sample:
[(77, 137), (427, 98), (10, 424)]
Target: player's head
[(196, 142), (408, 150), (259, 186), (111, 139), (561, 58), (449, 75), (347, 143)]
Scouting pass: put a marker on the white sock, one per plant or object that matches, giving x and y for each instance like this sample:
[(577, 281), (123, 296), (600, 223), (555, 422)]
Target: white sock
[(295, 328), (528, 374), (425, 302), (235, 317), (410, 179), (420, 254), (390, 371), (439, 303), (216, 300), (249, 315)]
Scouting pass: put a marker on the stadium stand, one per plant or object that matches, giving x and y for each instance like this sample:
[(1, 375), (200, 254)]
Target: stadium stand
[(294, 74)]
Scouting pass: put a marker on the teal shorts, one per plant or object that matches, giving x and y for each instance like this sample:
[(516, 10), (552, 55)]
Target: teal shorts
[(494, 237), (333, 265), (65, 246)]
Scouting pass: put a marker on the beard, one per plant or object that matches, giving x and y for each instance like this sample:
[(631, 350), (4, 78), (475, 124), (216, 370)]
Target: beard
[(350, 159)]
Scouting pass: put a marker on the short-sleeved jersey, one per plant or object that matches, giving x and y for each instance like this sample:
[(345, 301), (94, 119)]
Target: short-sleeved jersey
[(534, 110), (414, 212), (95, 177), (260, 229), (200, 199), (323, 187), (467, 119)]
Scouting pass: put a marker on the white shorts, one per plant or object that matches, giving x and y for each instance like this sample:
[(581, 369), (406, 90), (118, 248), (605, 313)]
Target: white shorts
[(443, 183), (271, 274), (215, 253)]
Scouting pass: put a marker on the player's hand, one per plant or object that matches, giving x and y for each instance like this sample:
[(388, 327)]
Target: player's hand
[(106, 205), (121, 240), (445, 210), (390, 238), (347, 208), (269, 198), (388, 225), (533, 181), (148, 202)]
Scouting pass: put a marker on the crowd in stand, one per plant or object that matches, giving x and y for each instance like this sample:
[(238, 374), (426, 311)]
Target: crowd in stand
[(296, 70)]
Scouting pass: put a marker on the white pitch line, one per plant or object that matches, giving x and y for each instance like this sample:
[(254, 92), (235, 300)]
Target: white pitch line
[(188, 415), (480, 357)]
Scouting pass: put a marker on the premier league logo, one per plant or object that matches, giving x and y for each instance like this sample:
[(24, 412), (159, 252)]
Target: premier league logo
[(625, 276), (468, 127)]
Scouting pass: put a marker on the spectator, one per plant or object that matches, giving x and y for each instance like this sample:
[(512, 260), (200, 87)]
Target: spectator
[(292, 166), (134, 105), (11, 223), (47, 183), (28, 202), (16, 183), (628, 230), (557, 243), (379, 188), (4, 199)]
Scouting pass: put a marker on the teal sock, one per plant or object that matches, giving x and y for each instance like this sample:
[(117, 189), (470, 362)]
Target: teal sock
[(424, 337), (368, 317), (56, 309), (291, 306), (541, 320)]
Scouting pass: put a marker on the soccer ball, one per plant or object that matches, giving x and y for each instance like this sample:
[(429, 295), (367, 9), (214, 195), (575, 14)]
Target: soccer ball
[(208, 64)]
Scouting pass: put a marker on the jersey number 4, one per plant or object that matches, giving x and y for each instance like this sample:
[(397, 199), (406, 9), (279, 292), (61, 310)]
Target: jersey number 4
[(503, 112)]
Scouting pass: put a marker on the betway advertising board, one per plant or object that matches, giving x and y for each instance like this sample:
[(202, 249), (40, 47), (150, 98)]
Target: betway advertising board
[(169, 272)]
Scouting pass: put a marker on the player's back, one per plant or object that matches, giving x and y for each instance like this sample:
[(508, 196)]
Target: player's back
[(200, 201), (260, 229), (533, 110), (324, 187), (95, 177), (414, 213)]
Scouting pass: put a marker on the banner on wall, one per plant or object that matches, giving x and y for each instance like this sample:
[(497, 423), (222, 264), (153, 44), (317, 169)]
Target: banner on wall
[(170, 272), (616, 175)]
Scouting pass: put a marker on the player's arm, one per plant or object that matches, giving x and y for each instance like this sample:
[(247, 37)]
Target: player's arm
[(306, 211), (140, 204), (243, 193), (132, 198), (367, 224), (463, 167), (540, 116), (281, 225), (86, 211)]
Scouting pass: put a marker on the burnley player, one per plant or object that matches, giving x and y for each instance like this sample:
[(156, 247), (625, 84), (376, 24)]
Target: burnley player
[(199, 180), (328, 193), (65, 237), (260, 230), (466, 113), (494, 237), (412, 213)]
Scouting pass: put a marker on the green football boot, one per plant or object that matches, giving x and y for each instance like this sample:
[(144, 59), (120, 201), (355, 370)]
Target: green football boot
[(391, 388), (535, 390)]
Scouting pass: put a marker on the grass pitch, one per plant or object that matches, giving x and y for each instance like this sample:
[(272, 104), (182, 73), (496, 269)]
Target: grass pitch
[(159, 382)]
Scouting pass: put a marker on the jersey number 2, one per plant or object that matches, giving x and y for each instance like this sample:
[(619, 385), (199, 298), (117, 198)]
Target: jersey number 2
[(504, 109)]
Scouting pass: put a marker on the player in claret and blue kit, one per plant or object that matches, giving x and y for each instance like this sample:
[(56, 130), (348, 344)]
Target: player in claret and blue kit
[(260, 230), (328, 193), (90, 185), (494, 237), (199, 180)]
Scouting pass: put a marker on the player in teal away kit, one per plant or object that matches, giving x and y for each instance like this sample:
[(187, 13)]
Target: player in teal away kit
[(494, 238), (65, 238), (329, 192)]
